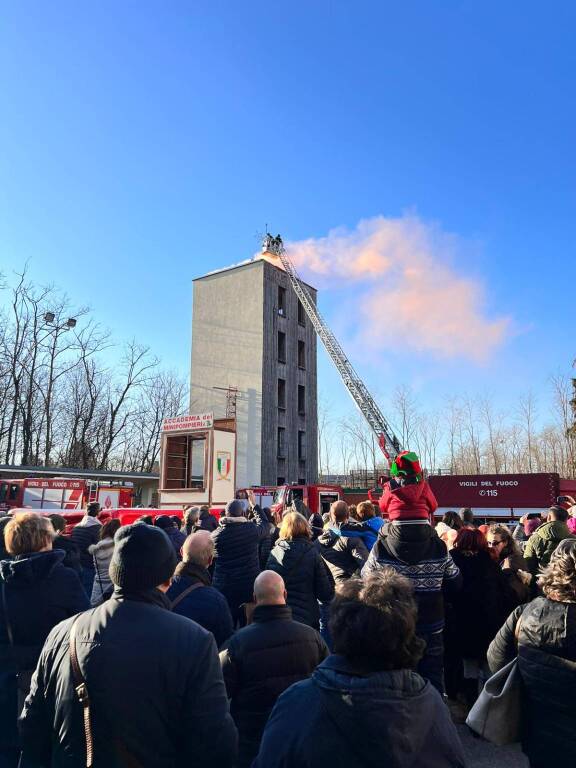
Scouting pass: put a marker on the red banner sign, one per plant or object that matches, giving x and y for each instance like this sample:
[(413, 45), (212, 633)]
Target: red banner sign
[(495, 491)]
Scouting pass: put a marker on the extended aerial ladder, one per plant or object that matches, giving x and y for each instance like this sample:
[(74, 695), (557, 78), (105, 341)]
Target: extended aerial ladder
[(387, 440)]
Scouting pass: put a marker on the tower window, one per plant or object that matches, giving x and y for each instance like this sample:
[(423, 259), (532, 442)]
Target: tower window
[(301, 399), (281, 301), (281, 347), (301, 355), (301, 445), (281, 442), (281, 393)]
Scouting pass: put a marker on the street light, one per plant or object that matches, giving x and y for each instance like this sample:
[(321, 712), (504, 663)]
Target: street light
[(49, 318)]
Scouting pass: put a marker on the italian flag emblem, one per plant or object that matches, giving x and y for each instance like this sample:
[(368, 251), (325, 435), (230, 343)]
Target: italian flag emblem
[(223, 464)]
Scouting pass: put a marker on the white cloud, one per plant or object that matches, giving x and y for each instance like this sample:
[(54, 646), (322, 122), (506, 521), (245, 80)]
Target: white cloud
[(408, 294)]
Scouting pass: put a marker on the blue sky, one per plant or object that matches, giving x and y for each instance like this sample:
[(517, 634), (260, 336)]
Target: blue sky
[(145, 143)]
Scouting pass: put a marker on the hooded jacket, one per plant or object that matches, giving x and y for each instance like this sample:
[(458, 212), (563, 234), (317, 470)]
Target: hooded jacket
[(344, 717), (155, 686), (204, 605), (413, 501), (39, 592), (543, 542), (547, 665), (415, 551), (305, 575), (343, 554), (259, 663), (102, 555)]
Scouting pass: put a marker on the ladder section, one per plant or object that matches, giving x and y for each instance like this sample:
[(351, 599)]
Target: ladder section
[(387, 441)]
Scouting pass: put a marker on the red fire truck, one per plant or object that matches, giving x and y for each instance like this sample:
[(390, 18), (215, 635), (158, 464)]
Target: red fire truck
[(56, 493), (491, 497), (317, 498), (499, 496)]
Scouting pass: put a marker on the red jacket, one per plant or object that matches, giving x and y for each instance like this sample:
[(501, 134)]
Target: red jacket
[(408, 502)]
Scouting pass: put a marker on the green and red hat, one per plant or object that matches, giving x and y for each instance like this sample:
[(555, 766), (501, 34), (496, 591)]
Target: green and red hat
[(406, 464)]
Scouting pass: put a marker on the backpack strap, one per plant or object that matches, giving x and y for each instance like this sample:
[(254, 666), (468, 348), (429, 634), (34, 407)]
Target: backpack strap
[(81, 690), (185, 593)]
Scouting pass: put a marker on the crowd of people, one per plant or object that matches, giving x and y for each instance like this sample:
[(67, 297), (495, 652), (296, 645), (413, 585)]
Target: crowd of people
[(357, 639)]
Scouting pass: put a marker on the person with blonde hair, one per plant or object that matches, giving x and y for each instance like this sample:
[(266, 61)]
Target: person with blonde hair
[(542, 634), (300, 564), (36, 592)]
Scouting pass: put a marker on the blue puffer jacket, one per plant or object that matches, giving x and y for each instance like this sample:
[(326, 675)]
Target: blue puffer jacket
[(344, 717), (236, 557), (204, 605), (370, 529)]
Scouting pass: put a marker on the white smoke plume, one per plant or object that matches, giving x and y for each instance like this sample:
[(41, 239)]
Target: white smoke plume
[(407, 291)]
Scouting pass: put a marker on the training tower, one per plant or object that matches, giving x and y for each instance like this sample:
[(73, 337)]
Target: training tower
[(254, 359)]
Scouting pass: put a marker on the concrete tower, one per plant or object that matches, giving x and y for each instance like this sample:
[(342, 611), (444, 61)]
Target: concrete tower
[(250, 332)]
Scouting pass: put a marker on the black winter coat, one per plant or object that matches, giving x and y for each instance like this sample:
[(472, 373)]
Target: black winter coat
[(39, 593), (343, 554), (259, 663), (306, 577), (155, 685), (206, 521), (71, 552), (236, 558), (177, 538), (478, 610), (547, 664), (204, 605), (84, 536), (344, 717), (266, 544)]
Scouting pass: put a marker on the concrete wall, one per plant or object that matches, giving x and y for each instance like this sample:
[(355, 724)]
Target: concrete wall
[(234, 343), (272, 417), (227, 349)]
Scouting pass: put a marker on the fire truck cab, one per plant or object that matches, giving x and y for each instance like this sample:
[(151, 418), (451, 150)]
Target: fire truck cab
[(317, 498), (56, 493)]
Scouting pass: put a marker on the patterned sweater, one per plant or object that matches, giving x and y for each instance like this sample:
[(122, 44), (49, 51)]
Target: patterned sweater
[(414, 550)]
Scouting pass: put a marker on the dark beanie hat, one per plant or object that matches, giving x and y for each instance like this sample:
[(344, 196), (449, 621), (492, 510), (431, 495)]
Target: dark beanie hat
[(143, 558), (234, 508), (164, 522)]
